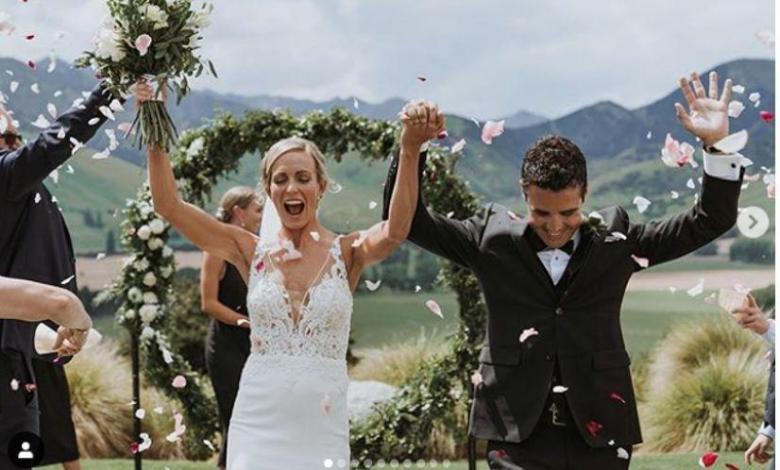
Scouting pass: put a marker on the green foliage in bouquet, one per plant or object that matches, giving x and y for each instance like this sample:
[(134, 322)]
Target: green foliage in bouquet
[(151, 39)]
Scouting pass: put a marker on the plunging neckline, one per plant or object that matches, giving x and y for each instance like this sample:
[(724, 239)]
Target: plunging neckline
[(318, 280)]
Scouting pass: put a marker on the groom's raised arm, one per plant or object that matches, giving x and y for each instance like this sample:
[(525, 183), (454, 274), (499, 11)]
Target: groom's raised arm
[(23, 168), (456, 240), (716, 210)]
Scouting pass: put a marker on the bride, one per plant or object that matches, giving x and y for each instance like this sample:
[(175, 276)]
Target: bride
[(290, 411)]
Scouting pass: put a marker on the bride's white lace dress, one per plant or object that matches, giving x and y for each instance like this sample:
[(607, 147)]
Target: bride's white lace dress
[(291, 408)]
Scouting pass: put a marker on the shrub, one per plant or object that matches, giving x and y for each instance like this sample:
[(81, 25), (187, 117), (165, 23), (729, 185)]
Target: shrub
[(100, 386), (717, 406), (759, 251), (705, 388), (765, 297)]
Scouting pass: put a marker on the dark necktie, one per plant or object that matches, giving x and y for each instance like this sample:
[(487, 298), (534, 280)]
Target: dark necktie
[(538, 245)]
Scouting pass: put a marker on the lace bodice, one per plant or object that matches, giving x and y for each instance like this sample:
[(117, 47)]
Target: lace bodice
[(323, 322)]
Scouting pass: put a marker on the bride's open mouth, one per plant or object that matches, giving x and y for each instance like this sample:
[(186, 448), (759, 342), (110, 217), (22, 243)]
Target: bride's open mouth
[(294, 206)]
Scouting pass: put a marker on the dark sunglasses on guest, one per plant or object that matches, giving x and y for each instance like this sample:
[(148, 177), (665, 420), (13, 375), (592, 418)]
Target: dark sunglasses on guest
[(11, 138)]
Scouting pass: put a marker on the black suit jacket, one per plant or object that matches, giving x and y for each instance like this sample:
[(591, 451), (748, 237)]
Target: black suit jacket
[(34, 241), (578, 328)]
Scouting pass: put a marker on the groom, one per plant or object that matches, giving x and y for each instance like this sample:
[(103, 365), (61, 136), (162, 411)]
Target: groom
[(556, 390)]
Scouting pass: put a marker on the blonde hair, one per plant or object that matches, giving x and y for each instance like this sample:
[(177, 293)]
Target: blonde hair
[(237, 196), (292, 144)]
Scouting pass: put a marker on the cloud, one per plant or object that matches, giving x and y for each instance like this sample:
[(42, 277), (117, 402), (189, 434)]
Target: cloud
[(482, 58)]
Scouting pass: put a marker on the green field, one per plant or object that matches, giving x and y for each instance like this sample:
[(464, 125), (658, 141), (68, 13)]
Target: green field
[(384, 318), (640, 462)]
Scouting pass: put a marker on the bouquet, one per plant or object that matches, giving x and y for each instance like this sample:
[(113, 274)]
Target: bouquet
[(156, 40)]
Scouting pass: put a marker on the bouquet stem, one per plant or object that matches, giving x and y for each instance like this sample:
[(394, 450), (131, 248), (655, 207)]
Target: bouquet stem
[(155, 126)]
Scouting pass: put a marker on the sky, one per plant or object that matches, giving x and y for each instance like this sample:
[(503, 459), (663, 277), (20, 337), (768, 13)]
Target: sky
[(481, 58)]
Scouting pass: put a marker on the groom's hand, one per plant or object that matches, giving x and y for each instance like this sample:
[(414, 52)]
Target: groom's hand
[(421, 121), (707, 116)]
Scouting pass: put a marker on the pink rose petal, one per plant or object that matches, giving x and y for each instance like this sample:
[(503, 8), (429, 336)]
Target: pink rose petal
[(615, 396), (434, 307), (642, 262), (476, 379), (325, 405), (527, 333), (179, 382), (593, 427), (142, 43), (708, 460), (491, 130), (766, 116)]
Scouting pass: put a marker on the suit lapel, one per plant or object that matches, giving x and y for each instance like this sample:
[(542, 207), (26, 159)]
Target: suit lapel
[(529, 256), (591, 242)]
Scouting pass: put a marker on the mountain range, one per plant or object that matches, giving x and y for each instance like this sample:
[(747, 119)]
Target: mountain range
[(622, 146)]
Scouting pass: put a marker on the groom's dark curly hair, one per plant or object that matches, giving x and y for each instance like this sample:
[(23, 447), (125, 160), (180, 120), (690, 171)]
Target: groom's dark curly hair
[(554, 163)]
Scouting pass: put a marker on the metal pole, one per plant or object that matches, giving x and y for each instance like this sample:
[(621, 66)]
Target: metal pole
[(135, 357)]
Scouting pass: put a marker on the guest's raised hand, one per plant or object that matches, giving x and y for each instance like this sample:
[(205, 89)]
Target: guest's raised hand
[(707, 116), (751, 317)]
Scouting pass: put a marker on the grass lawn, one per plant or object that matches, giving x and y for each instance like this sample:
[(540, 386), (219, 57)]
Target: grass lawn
[(641, 462)]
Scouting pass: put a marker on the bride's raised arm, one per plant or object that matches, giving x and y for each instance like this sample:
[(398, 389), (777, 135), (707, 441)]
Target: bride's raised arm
[(421, 121), (226, 241)]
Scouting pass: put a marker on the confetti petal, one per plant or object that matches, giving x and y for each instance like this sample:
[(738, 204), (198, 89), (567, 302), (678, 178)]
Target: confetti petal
[(738, 89), (458, 146), (527, 333), (708, 460), (14, 385), (242, 321), (106, 111), (140, 413), (476, 379), (372, 205), (372, 286), (41, 122), (622, 453), (93, 121), (491, 130), (642, 262), (733, 143), (6, 27), (754, 97), (593, 427), (735, 109), (325, 405), (35, 88), (179, 382), (767, 38), (616, 397), (13, 86), (676, 155), (560, 389), (697, 289), (434, 307), (641, 203), (315, 236), (766, 116), (67, 280)]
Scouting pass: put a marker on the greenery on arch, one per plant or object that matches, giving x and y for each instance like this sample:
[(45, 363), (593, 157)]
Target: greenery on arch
[(143, 287)]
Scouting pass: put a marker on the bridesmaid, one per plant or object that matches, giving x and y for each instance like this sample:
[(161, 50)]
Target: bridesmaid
[(223, 297)]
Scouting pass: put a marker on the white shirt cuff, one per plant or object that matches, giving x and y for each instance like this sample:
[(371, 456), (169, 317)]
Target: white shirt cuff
[(768, 431), (727, 167), (769, 336)]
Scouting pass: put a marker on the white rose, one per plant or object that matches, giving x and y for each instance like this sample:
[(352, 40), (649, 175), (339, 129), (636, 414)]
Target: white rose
[(146, 333), (141, 265), (148, 313), (150, 298), (157, 16), (144, 232), (135, 295), (167, 252), (150, 280), (130, 314), (157, 226), (146, 211), (155, 243), (166, 271), (195, 147), (108, 45)]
